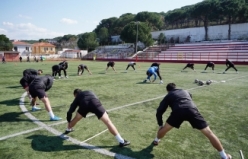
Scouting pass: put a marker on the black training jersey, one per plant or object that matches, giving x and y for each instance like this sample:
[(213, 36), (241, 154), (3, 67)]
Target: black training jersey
[(155, 64), (176, 99), (26, 80), (190, 64), (229, 63), (210, 64), (82, 100), (82, 66), (64, 65), (30, 72), (42, 82), (111, 63)]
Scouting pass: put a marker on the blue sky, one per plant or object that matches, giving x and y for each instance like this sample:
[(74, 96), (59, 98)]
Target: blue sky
[(37, 19)]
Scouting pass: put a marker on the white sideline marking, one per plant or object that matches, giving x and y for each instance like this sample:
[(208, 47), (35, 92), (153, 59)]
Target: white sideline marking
[(20, 133), (241, 154), (95, 135), (116, 108), (75, 141)]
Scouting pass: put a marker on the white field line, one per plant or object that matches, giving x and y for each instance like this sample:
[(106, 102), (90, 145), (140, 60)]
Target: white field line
[(62, 122), (95, 135), (60, 134), (241, 154), (116, 108)]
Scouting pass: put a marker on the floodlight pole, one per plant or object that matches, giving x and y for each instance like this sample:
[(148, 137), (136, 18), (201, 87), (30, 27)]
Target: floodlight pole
[(137, 35)]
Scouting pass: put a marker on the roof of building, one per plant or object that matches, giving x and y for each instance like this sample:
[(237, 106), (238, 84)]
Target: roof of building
[(20, 43), (43, 44), (73, 50)]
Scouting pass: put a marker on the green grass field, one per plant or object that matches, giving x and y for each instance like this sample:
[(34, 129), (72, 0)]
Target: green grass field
[(131, 105)]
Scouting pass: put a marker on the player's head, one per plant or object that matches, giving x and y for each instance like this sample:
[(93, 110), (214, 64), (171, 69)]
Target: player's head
[(76, 91), (170, 86), (226, 59), (40, 72)]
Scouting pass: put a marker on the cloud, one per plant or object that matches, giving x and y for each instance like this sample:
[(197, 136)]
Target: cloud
[(24, 16), (68, 21), (28, 31), (3, 31), (8, 24)]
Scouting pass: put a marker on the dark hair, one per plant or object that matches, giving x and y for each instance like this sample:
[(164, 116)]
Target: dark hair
[(76, 91), (170, 86)]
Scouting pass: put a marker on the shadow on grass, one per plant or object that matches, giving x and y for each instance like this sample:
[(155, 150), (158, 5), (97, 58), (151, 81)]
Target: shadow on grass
[(10, 102), (146, 83), (14, 87), (101, 73), (142, 83), (12, 117), (144, 153), (50, 143)]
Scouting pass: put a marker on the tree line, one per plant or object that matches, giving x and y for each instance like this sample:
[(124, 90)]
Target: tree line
[(206, 13), (128, 26)]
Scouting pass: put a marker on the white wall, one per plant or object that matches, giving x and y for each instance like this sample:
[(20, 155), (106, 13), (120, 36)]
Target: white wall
[(22, 50), (220, 32)]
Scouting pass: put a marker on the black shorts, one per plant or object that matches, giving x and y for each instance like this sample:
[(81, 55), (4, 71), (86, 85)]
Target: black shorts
[(55, 68), (110, 64), (40, 93), (191, 115), (94, 106)]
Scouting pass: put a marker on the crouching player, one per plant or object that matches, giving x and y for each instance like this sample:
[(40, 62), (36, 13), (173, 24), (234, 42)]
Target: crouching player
[(184, 109), (81, 69), (87, 101)]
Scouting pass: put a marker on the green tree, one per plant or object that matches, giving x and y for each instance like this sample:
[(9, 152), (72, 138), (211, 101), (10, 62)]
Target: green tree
[(87, 41), (154, 20), (42, 40), (161, 38), (204, 11), (5, 43), (107, 23), (103, 35), (121, 22), (129, 33), (230, 9)]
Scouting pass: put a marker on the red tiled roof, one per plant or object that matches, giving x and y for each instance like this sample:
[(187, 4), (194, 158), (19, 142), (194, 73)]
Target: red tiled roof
[(43, 44), (20, 43)]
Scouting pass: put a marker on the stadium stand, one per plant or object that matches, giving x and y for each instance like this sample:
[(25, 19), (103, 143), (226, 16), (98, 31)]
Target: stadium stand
[(235, 51)]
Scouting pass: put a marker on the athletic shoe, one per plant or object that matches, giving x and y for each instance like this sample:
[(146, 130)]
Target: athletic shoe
[(228, 156), (155, 143), (66, 76), (55, 118), (35, 109), (67, 131), (124, 144), (237, 72)]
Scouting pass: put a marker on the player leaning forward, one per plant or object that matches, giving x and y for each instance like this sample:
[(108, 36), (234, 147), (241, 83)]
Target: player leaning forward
[(87, 101), (38, 88), (184, 109)]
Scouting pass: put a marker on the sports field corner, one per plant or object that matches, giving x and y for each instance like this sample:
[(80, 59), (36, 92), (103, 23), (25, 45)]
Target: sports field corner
[(126, 114)]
